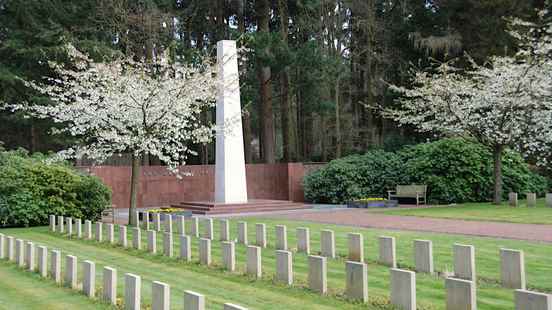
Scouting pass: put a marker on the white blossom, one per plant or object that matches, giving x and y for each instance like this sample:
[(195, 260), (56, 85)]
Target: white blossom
[(504, 102), (128, 107)]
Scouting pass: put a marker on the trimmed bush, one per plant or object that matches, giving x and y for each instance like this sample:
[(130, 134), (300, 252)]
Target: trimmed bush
[(31, 189), (455, 170)]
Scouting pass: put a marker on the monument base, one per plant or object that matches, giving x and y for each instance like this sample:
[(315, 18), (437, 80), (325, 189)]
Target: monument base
[(253, 205)]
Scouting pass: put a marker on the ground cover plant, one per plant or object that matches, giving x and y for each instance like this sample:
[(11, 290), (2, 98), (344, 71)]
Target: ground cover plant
[(220, 286)]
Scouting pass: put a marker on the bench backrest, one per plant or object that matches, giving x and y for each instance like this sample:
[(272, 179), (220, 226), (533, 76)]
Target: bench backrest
[(411, 189)]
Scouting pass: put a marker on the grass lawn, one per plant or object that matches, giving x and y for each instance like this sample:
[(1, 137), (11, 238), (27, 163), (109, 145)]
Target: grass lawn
[(220, 286), (25, 290), (483, 212)]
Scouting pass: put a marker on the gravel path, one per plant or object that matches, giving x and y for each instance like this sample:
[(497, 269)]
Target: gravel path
[(363, 218)]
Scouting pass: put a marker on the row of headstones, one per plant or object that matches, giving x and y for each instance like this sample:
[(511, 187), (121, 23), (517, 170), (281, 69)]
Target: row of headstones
[(531, 199), (461, 288), (512, 261), (23, 254)]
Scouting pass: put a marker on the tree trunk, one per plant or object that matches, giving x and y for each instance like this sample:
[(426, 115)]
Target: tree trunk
[(367, 72), (220, 32), (34, 138), (186, 35), (145, 159), (247, 137), (134, 183), (264, 75), (497, 152), (204, 148), (323, 138), (268, 142), (246, 117), (309, 141), (284, 86), (284, 80), (300, 121), (200, 41), (338, 143)]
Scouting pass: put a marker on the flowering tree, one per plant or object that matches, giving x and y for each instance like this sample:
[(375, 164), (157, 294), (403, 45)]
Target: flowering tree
[(128, 107), (505, 103)]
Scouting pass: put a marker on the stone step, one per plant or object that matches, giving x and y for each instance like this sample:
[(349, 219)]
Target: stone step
[(281, 208), (248, 207), (227, 205), (237, 208)]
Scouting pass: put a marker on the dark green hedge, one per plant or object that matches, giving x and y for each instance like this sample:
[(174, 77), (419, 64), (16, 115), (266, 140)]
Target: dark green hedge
[(31, 189), (455, 170), (355, 176)]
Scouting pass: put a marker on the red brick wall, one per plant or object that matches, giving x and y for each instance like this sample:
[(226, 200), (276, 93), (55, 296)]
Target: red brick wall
[(158, 187)]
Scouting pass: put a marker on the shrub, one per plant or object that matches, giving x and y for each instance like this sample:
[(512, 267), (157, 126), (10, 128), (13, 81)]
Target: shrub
[(354, 177), (31, 189), (455, 170), (460, 170), (519, 178)]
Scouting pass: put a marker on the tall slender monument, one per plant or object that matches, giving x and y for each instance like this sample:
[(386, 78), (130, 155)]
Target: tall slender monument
[(230, 182)]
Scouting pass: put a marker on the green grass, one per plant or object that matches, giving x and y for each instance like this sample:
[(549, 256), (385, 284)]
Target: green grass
[(25, 290), (220, 286), (483, 212)]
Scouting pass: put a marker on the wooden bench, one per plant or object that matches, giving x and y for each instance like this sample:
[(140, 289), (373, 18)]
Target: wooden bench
[(109, 213), (409, 191)]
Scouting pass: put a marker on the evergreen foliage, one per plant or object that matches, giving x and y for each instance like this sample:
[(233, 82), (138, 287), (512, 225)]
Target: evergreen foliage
[(456, 170), (355, 177), (319, 104), (31, 189)]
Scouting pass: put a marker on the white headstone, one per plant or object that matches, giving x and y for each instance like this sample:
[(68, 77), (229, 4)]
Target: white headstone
[(123, 239), (549, 200), (284, 267), (254, 266), (20, 252), (532, 300), (89, 278), (403, 289), (110, 285), (71, 271), (229, 306), (2, 246), (42, 255), (205, 251), (30, 255), (161, 296), (461, 294), (55, 269), (193, 301), (242, 232), (303, 240), (185, 248), (230, 182), (133, 295)]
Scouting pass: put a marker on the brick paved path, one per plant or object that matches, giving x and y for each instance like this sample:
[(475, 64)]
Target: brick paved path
[(363, 218)]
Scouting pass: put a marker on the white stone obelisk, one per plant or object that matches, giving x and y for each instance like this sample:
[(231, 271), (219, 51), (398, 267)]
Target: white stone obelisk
[(230, 182)]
